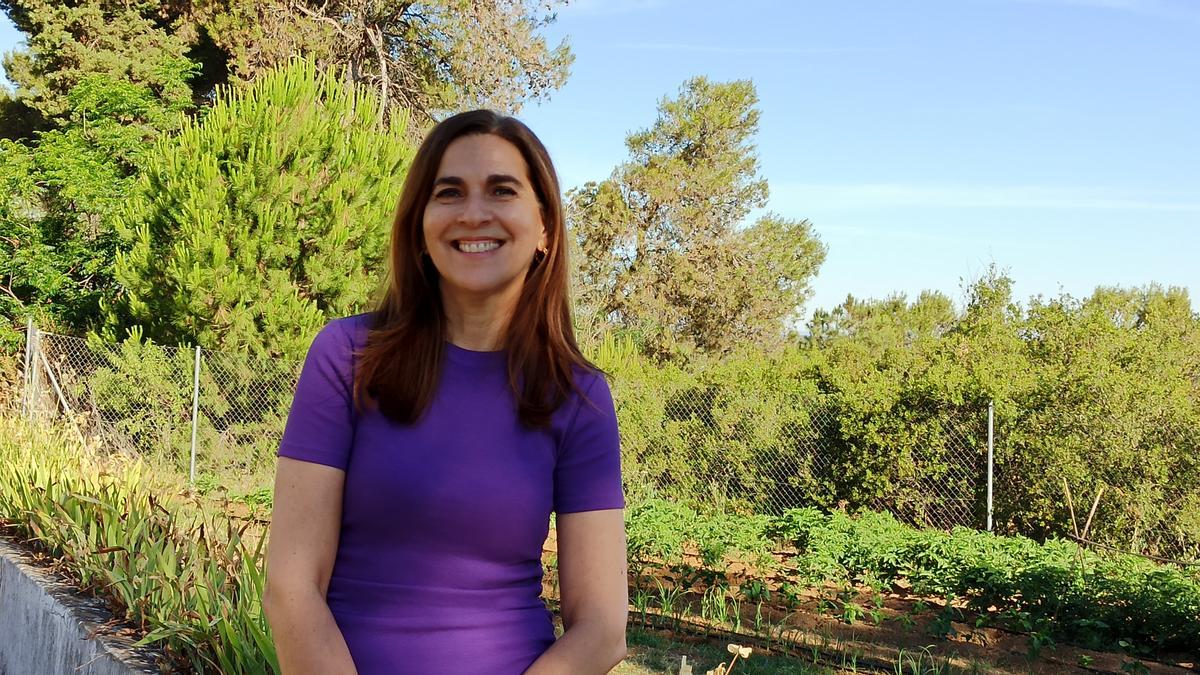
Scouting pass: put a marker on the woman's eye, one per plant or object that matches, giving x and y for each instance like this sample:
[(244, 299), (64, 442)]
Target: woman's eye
[(446, 193), (506, 191)]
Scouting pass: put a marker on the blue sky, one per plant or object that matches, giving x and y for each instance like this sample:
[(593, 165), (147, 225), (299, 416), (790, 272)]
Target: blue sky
[(925, 140)]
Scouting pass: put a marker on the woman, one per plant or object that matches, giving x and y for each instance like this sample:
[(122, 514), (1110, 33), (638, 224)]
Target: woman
[(429, 441)]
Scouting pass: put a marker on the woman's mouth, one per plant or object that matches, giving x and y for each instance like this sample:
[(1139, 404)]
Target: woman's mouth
[(477, 245)]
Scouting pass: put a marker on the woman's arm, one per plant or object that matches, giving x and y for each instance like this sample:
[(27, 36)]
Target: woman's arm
[(594, 587), (300, 552)]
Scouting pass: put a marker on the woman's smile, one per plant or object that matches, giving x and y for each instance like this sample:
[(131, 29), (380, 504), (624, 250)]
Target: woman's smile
[(477, 247)]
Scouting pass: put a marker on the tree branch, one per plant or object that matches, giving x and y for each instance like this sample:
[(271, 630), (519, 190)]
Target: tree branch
[(322, 18), (376, 36)]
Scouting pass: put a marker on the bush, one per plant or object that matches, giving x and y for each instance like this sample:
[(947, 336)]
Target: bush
[(191, 584), (890, 413), (261, 220), (137, 396)]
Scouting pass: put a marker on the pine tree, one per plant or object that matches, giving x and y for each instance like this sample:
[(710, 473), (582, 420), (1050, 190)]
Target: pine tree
[(423, 57), (663, 250), (125, 40), (253, 226)]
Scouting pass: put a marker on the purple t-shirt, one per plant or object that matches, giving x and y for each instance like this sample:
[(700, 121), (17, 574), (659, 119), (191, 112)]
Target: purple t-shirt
[(438, 565)]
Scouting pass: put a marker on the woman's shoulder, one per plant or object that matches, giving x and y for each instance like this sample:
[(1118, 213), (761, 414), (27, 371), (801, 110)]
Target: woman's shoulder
[(588, 377), (591, 391), (342, 337), (352, 329)]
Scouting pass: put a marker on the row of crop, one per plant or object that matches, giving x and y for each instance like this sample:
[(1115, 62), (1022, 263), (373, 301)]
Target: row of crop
[(1055, 589), (190, 583)]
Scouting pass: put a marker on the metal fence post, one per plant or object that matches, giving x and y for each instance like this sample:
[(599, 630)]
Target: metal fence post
[(27, 381), (991, 453), (35, 375), (195, 416)]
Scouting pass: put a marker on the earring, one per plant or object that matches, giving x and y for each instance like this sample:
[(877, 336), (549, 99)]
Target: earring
[(539, 255)]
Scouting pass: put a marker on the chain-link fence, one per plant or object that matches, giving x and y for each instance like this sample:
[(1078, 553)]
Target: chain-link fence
[(769, 446), (216, 416), (758, 446), (1114, 468)]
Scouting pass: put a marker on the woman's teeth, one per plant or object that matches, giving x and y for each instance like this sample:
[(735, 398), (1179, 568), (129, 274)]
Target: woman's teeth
[(477, 246)]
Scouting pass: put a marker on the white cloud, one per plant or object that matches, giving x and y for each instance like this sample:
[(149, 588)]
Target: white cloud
[(718, 49), (875, 195), (1175, 9), (593, 7)]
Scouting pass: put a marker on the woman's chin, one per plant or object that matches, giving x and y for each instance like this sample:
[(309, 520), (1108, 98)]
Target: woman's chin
[(477, 289)]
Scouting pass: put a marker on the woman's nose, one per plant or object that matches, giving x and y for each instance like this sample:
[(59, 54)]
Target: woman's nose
[(474, 211)]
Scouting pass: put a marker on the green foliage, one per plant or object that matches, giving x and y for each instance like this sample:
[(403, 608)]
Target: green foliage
[(68, 43), (1055, 591), (422, 57), (137, 396), (253, 226), (661, 250), (1068, 593), (57, 245), (659, 529), (21, 254), (191, 584), (738, 435), (18, 121), (1115, 404), (142, 392), (886, 406)]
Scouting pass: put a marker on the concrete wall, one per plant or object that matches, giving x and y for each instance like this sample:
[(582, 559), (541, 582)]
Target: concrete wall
[(47, 628)]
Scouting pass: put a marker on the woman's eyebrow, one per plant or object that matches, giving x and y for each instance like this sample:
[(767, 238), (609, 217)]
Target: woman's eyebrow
[(502, 178), (491, 180)]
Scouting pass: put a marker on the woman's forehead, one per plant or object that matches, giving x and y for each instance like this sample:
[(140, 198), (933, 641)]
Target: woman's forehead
[(482, 155)]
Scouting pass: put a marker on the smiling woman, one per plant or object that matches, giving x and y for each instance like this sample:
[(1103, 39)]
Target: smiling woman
[(429, 442)]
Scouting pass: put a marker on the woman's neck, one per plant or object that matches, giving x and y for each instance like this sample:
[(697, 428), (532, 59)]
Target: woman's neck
[(478, 323)]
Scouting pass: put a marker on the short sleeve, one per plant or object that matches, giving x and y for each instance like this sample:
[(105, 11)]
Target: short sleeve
[(587, 475), (320, 425)]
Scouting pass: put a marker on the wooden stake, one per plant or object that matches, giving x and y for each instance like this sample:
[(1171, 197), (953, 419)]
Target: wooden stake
[(1071, 507), (1095, 503)]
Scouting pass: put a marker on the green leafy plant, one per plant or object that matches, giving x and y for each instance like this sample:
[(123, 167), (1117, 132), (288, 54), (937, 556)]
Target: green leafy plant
[(668, 599), (191, 583), (641, 603)]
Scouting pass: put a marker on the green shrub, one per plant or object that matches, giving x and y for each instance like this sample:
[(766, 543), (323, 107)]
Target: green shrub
[(262, 219), (1071, 593), (137, 396), (192, 584)]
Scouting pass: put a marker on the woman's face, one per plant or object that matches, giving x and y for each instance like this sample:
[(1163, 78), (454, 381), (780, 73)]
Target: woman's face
[(483, 221)]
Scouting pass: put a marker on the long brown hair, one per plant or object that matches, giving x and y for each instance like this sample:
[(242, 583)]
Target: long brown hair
[(399, 367)]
